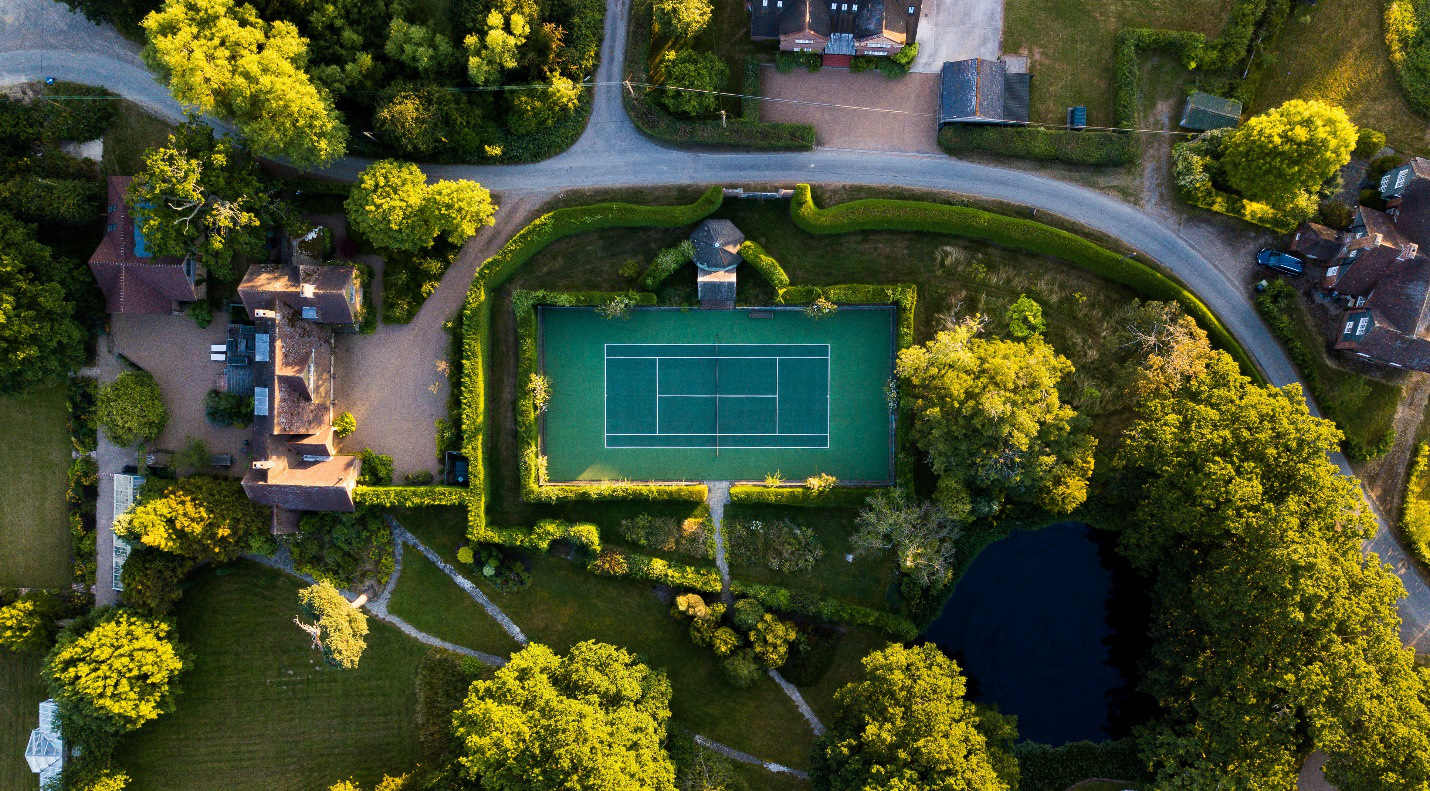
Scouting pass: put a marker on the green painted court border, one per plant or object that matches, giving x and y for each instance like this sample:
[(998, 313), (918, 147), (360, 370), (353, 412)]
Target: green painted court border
[(898, 300)]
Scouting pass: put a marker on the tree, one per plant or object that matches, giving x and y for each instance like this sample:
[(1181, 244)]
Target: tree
[(426, 52), (394, 207), (115, 671), (681, 18), (988, 415), (201, 196), (1273, 633), (922, 535), (151, 580), (491, 55), (691, 80), (537, 107), (771, 638), (198, 517), (699, 769), (905, 725), (594, 718), (28, 623), (131, 409), (39, 338), (1025, 318), (224, 60), (1288, 151), (344, 424), (338, 627), (415, 120)]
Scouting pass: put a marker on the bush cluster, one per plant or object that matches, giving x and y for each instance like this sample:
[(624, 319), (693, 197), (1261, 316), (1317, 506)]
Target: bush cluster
[(1415, 513), (693, 535), (376, 468), (765, 264), (762, 642), (776, 544), (347, 550), (1063, 145), (228, 409), (666, 263), (1044, 768)]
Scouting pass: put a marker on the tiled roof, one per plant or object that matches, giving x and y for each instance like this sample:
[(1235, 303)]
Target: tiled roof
[(1317, 241), (296, 485), (135, 283), (329, 285)]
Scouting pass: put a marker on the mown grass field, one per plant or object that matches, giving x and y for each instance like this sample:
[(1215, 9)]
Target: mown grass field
[(1069, 45), (35, 455), (260, 709), (21, 691), (1335, 51)]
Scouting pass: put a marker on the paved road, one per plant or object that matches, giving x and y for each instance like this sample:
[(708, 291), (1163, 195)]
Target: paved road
[(613, 154)]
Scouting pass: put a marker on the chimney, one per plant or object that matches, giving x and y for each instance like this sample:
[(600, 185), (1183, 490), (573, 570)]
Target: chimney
[(309, 291), (1408, 251), (1376, 240), (262, 313)]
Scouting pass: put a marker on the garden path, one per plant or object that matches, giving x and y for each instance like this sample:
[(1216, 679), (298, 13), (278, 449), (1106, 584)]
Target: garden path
[(111, 460), (401, 536), (746, 758), (717, 495)]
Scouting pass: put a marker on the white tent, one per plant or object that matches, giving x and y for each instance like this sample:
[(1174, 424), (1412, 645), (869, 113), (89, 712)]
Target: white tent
[(45, 751)]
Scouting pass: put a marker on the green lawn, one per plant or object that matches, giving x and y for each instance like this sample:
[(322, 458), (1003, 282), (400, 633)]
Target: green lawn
[(1354, 72), (133, 131), (35, 455), (20, 693), (260, 709), (565, 605), (1070, 43), (428, 600)]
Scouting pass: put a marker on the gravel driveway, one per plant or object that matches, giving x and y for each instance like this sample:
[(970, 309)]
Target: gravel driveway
[(903, 120), (958, 30)]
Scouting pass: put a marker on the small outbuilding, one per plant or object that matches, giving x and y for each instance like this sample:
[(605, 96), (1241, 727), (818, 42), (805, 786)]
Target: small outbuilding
[(1205, 112), (978, 91), (45, 752), (717, 254)]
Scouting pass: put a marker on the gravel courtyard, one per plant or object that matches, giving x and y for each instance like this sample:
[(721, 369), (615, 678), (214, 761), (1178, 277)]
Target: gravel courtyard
[(902, 118)]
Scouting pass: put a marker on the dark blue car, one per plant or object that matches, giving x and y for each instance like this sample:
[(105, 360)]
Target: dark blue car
[(1281, 262)]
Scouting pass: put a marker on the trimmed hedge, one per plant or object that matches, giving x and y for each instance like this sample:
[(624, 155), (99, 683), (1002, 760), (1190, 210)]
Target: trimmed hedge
[(411, 496), (756, 257), (1045, 768), (823, 608), (1015, 233), (838, 497), (1088, 147), (1415, 511), (476, 311), (902, 295), (1407, 36), (1126, 71), (745, 131), (543, 533)]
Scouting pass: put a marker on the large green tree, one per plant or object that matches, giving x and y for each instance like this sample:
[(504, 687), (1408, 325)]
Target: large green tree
[(198, 517), (394, 207), (201, 196), (594, 718), (1288, 151), (115, 671), (988, 415), (493, 53), (131, 409), (905, 726), (691, 80), (681, 18), (223, 59), (922, 535), (337, 626), (1273, 634), (39, 338)]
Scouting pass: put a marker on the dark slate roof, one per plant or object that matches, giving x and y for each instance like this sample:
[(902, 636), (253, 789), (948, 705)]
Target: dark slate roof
[(1396, 181), (1412, 215), (717, 245), (716, 286), (982, 91), (1205, 111), (802, 15), (1317, 241), (765, 19), (1388, 346), (1403, 298)]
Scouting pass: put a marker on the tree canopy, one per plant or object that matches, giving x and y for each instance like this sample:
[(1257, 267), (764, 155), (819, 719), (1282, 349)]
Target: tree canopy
[(28, 623), (988, 415), (594, 718), (39, 338), (691, 78), (131, 409), (1273, 634), (201, 196), (341, 626), (922, 535), (223, 59), (1288, 151), (394, 207), (905, 725), (198, 517), (681, 18), (114, 670)]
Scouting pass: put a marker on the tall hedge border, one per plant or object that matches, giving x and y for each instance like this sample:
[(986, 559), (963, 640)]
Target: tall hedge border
[(1408, 40), (411, 496), (477, 311), (1014, 233), (534, 488)]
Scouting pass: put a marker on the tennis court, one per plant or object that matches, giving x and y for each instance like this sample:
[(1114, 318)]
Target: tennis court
[(670, 394)]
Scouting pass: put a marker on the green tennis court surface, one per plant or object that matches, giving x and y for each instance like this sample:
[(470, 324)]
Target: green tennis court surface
[(699, 395)]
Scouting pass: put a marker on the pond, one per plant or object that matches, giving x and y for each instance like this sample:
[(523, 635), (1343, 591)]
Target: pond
[(1049, 625)]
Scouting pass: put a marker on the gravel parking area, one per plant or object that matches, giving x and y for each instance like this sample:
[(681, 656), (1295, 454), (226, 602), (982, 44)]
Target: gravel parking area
[(900, 116)]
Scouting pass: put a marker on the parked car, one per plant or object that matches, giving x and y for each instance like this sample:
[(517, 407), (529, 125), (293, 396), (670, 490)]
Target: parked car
[(1281, 262)]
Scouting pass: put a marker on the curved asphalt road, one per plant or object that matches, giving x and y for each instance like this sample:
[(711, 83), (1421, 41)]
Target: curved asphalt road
[(40, 38)]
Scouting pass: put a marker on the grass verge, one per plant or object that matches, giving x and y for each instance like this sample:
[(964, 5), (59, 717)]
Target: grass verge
[(260, 704), (21, 691), (134, 130), (35, 454)]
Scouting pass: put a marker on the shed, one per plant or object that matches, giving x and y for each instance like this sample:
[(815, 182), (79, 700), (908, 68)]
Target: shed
[(978, 91), (1205, 111)]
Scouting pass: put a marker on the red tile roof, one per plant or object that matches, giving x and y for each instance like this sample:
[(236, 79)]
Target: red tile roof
[(132, 283)]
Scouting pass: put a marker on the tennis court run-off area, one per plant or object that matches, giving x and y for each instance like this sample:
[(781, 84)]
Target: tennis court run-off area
[(671, 394)]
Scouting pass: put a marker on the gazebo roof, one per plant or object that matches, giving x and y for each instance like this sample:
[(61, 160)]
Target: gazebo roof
[(717, 245)]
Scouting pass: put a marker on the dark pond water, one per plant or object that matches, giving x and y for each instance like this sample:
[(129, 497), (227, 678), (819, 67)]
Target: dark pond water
[(1049, 624)]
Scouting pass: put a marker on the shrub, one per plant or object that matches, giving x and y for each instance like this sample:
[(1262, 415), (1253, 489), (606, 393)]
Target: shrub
[(618, 306), (1381, 165), (228, 409), (703, 627), (742, 669), (611, 563), (820, 308), (747, 614), (539, 388), (820, 484), (411, 496), (666, 262), (798, 496), (771, 638), (131, 409), (776, 544), (1368, 141), (376, 468), (1337, 215), (152, 580), (422, 478), (787, 61), (691, 79), (464, 555), (692, 536), (344, 424), (200, 313), (347, 550), (1025, 318), (689, 605)]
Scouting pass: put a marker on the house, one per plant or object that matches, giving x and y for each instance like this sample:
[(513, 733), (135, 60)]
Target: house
[(296, 466), (132, 278), (838, 30), (1383, 277), (327, 294), (1317, 242), (717, 254), (45, 751), (1205, 112), (978, 91)]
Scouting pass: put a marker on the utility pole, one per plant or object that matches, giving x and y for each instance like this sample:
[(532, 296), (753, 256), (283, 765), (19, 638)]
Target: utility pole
[(722, 119)]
